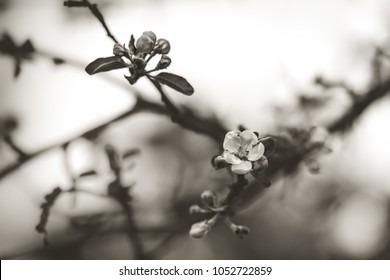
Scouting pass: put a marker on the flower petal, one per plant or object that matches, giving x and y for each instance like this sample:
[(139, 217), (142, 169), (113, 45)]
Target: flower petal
[(232, 142), (232, 134), (230, 158), (247, 140), (257, 152), (242, 168)]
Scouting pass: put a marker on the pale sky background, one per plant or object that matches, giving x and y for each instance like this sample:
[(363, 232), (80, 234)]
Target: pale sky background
[(244, 58)]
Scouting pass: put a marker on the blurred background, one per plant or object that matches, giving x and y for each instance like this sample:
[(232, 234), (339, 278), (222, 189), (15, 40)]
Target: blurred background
[(252, 63)]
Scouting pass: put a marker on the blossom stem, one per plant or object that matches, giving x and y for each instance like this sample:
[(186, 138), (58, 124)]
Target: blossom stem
[(235, 189), (152, 54), (189, 121)]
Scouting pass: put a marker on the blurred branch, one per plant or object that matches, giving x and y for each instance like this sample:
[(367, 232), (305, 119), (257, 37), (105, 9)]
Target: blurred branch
[(95, 11), (359, 106), (77, 239), (141, 106), (328, 85), (68, 171), (21, 154), (121, 193), (384, 54), (379, 88)]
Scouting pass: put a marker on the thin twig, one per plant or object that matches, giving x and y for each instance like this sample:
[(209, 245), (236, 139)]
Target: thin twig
[(189, 120), (95, 11)]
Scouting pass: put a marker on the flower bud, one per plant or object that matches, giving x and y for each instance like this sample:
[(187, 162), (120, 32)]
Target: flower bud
[(318, 134), (196, 209), (119, 50), (146, 42), (164, 62), (200, 229), (150, 34), (162, 46), (209, 198), (219, 162), (240, 231)]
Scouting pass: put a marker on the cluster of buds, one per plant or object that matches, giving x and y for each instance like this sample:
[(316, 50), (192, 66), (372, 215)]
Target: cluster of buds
[(140, 52), (244, 152), (210, 205)]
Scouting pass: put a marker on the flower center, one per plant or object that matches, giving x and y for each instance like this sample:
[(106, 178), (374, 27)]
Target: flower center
[(242, 153)]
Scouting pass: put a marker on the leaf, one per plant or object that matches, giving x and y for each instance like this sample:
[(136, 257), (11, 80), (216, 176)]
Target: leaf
[(88, 173), (7, 45), (58, 61), (131, 153), (27, 48), (132, 79), (269, 145), (104, 64), (176, 82)]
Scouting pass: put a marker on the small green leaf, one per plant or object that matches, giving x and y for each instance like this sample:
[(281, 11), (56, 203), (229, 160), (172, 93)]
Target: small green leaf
[(176, 82), (104, 64)]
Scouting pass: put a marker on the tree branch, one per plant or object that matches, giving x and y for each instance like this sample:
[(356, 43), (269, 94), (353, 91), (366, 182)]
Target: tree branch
[(188, 120), (140, 106), (95, 11), (346, 121)]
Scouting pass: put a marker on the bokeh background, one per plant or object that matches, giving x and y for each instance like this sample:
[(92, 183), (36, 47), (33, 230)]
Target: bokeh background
[(250, 63)]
